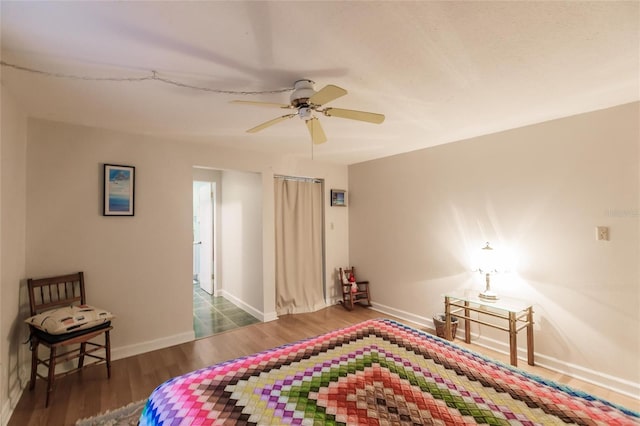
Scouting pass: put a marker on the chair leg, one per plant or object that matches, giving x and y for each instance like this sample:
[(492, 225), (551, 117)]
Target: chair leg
[(345, 297), (34, 362), (83, 348), (52, 373), (107, 344)]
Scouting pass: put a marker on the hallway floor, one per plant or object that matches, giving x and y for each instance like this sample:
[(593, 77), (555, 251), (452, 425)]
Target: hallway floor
[(215, 314)]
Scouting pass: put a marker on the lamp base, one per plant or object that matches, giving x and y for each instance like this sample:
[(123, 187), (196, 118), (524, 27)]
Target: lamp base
[(488, 295)]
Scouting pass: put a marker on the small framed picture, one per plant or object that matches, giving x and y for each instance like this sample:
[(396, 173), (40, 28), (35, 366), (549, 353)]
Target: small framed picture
[(339, 197), (119, 190)]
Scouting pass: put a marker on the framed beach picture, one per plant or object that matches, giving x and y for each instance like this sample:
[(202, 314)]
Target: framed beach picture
[(119, 184), (338, 197)]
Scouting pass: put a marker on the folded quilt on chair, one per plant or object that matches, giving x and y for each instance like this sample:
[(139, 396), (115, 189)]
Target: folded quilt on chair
[(375, 372)]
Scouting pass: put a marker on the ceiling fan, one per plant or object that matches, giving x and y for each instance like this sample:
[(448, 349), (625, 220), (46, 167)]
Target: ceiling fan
[(307, 102)]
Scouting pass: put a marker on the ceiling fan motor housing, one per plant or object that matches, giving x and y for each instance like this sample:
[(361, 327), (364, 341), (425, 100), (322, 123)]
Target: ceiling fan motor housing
[(302, 91)]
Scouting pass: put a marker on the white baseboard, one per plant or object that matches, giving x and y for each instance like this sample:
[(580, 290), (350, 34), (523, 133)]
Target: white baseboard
[(151, 345), (14, 395), (404, 315), (334, 301), (7, 411), (616, 384), (116, 353), (270, 316), (262, 316)]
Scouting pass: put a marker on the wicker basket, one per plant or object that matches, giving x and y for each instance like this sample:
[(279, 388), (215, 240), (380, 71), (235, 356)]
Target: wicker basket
[(439, 322)]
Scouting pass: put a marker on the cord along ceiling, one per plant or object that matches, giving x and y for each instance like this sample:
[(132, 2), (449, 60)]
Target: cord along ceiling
[(437, 71)]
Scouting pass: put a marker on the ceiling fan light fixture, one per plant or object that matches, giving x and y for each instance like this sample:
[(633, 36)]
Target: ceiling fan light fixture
[(305, 112)]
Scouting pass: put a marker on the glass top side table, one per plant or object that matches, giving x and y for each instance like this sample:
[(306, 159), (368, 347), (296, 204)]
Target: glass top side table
[(517, 313)]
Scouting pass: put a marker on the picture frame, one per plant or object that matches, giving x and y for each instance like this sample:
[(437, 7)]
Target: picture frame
[(338, 198), (118, 190)]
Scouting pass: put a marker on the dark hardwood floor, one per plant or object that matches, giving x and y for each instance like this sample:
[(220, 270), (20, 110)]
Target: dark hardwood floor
[(89, 392)]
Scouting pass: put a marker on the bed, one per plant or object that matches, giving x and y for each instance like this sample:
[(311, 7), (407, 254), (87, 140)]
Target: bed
[(375, 372)]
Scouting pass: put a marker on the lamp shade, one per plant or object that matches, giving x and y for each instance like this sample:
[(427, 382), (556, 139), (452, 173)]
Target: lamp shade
[(488, 260), (488, 263)]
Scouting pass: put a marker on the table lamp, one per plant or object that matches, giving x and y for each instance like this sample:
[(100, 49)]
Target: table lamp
[(488, 265)]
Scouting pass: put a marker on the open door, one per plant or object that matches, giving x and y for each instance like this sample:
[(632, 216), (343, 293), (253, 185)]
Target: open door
[(205, 227)]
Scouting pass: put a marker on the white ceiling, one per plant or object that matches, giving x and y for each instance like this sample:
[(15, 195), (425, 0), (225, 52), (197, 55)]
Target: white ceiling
[(439, 71)]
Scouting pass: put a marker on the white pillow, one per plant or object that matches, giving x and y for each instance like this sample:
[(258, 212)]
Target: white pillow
[(69, 319)]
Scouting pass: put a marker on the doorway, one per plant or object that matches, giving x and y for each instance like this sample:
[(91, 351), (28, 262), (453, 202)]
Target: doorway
[(204, 232), (214, 310)]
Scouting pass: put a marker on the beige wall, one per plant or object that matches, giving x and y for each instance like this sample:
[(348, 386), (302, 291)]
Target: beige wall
[(132, 261), (416, 218), (411, 223), (13, 150), (241, 235), (336, 227)]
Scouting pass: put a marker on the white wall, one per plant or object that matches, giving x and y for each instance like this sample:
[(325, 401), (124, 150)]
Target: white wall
[(13, 354), (416, 218), (129, 261), (215, 177), (241, 237)]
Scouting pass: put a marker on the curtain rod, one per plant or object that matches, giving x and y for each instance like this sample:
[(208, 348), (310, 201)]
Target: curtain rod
[(298, 178)]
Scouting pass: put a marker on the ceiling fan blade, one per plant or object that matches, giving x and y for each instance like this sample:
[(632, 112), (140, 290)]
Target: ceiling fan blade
[(327, 94), (270, 123), (369, 117), (315, 129), (263, 104)]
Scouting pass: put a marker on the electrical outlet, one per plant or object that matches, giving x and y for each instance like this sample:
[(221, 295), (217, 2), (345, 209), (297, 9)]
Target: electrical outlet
[(602, 233)]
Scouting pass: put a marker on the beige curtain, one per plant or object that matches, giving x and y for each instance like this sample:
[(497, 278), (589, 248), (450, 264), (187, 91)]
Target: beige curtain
[(299, 277)]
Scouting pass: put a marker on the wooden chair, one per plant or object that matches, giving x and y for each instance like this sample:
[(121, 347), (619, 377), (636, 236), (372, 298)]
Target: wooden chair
[(350, 297), (58, 292)]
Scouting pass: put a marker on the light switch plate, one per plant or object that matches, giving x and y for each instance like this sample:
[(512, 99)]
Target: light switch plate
[(602, 233)]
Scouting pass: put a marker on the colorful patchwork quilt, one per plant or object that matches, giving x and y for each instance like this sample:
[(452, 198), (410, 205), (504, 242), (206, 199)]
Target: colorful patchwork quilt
[(378, 372)]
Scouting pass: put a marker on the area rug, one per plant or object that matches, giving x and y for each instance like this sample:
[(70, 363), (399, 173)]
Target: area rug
[(123, 416), (374, 373)]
